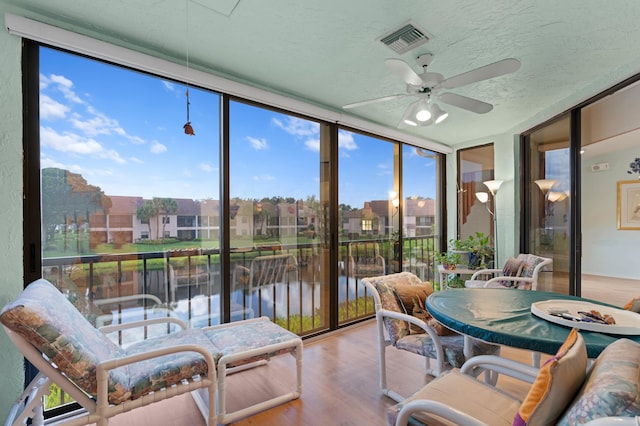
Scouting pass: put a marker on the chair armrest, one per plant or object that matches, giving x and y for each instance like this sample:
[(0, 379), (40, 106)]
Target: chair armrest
[(437, 408), (498, 364), (133, 314), (511, 279), (143, 323), (412, 320), (615, 421), (485, 272), (152, 297), (102, 369)]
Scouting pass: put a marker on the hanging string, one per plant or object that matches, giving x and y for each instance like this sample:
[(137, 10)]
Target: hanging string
[(188, 130)]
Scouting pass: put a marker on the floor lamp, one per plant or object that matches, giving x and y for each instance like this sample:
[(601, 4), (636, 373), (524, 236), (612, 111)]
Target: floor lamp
[(492, 186)]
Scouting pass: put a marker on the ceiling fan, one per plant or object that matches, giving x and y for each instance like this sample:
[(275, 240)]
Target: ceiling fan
[(428, 85)]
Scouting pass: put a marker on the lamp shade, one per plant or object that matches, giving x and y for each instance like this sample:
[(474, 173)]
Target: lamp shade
[(545, 184), (423, 113), (493, 185), (483, 197), (438, 114)]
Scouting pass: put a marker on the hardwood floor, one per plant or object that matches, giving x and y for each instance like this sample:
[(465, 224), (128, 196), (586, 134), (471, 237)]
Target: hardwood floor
[(340, 377)]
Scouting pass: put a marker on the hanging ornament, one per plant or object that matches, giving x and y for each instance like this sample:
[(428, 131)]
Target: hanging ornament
[(188, 130)]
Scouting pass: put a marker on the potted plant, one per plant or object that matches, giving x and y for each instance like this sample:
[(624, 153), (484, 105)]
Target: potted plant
[(480, 250), (462, 249), (448, 259)]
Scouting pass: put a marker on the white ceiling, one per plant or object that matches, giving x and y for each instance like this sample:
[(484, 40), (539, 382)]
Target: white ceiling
[(326, 53)]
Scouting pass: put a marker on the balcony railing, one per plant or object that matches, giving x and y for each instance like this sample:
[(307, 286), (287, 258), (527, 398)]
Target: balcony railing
[(187, 283), (182, 279)]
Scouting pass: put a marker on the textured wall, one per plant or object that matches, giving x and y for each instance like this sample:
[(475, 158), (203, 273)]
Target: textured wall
[(11, 364)]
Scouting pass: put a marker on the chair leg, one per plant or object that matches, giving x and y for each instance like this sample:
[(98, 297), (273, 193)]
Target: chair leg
[(29, 404)]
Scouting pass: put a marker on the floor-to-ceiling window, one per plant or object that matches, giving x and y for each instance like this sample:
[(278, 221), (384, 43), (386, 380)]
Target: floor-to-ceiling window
[(475, 212), (275, 190), (421, 213), (178, 197), (548, 197)]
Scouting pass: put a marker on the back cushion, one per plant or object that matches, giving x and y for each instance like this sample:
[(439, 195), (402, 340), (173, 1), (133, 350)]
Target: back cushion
[(385, 285), (611, 388), (556, 384), (47, 320)]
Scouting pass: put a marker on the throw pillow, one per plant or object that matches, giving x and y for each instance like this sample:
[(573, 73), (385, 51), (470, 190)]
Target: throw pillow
[(633, 305), (512, 268), (408, 293), (411, 300), (556, 384)]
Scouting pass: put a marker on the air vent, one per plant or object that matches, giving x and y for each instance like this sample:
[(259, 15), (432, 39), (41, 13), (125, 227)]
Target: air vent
[(405, 38)]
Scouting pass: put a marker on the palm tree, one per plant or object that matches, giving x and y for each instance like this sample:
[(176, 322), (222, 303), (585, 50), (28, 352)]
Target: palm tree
[(165, 207), (145, 212)]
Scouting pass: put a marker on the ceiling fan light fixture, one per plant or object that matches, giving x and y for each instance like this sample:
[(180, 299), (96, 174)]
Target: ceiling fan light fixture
[(409, 117), (438, 114), (423, 113)]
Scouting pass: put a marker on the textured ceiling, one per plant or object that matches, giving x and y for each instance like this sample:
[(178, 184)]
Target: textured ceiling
[(326, 53)]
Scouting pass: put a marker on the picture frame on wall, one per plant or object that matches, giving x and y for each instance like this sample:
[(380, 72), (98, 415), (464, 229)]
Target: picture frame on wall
[(629, 204)]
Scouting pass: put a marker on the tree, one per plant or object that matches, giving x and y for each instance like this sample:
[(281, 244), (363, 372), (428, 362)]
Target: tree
[(146, 212), (164, 207), (67, 198)]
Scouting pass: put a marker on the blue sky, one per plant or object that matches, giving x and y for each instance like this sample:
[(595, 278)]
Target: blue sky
[(123, 131)]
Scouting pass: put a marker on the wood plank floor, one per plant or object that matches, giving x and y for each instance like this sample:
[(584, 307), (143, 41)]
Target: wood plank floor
[(340, 378)]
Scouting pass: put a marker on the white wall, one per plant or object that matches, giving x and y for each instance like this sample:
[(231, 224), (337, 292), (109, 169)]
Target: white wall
[(607, 250), (11, 278)]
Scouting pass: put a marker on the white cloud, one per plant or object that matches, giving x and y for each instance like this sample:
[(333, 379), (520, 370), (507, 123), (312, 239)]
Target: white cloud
[(313, 145), (158, 148), (206, 167), (264, 178), (171, 87), (258, 144), (69, 142), (52, 110), (75, 144), (65, 86), (346, 141), (297, 126)]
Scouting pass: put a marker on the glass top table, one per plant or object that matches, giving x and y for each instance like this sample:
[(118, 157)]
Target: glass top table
[(503, 316)]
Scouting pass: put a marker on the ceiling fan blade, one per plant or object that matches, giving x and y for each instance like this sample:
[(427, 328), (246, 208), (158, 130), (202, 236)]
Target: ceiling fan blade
[(486, 72), (374, 101), (464, 102), (401, 68)]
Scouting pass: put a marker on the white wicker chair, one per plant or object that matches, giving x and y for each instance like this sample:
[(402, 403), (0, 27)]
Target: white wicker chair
[(440, 352), (526, 278)]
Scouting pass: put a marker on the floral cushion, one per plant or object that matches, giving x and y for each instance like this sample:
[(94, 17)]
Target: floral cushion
[(45, 318), (243, 337), (529, 264), (161, 372), (385, 284), (556, 384), (453, 346), (611, 388), (512, 268)]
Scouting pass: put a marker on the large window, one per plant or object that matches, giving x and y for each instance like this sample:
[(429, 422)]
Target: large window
[(274, 169), (275, 214)]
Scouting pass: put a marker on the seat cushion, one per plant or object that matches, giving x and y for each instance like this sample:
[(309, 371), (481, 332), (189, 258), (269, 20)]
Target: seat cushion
[(47, 320), (463, 392), (162, 372), (556, 384), (611, 388), (452, 345)]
